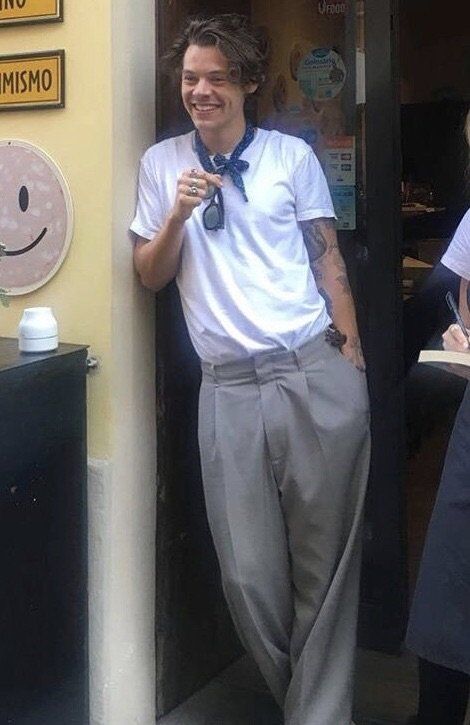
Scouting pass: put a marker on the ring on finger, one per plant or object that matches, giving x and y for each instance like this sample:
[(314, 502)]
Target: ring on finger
[(193, 190)]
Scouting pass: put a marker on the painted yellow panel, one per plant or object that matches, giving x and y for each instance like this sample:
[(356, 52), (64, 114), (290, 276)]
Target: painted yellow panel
[(29, 10), (33, 80)]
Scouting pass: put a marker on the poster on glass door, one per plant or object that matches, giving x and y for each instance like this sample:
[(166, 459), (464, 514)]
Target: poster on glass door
[(321, 74), (339, 165)]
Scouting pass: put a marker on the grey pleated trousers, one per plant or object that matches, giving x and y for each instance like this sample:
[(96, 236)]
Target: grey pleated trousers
[(284, 441)]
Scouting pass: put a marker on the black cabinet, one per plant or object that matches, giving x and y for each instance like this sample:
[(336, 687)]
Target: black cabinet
[(43, 535)]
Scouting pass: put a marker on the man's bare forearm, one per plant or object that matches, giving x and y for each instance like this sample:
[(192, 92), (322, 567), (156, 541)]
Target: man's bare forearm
[(331, 277), (157, 262)]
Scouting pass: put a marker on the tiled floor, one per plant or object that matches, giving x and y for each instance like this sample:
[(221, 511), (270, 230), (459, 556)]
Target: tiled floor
[(385, 695)]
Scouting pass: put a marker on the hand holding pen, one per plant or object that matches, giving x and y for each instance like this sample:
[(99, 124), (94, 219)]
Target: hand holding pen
[(456, 336)]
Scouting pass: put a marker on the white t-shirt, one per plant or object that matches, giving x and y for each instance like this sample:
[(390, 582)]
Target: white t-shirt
[(247, 288), (457, 255)]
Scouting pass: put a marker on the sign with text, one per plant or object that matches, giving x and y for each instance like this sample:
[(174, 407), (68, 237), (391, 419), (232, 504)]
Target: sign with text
[(30, 11), (32, 81), (339, 164), (332, 8)]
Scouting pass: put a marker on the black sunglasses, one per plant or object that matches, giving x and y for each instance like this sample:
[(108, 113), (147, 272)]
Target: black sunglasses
[(213, 216)]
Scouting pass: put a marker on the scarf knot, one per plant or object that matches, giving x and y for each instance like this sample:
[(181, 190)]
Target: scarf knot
[(234, 166)]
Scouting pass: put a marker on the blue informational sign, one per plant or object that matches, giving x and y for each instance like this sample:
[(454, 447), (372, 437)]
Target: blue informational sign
[(344, 201)]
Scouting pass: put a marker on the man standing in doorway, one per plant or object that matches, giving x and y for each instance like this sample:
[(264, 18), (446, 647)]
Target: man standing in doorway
[(243, 219)]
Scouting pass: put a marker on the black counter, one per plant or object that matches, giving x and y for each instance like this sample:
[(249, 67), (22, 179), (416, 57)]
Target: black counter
[(43, 536)]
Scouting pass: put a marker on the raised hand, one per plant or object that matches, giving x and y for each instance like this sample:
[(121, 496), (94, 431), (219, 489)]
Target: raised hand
[(194, 185)]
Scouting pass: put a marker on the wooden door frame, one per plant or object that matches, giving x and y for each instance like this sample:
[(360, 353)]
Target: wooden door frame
[(195, 637)]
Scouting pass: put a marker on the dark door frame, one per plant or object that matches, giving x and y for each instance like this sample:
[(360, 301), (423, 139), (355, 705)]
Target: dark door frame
[(195, 638), (384, 586)]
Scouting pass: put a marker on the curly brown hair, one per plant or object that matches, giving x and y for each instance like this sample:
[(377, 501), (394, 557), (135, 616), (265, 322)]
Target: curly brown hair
[(245, 47)]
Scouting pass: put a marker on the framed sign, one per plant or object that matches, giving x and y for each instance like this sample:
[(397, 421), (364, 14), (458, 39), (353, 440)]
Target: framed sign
[(32, 80), (13, 12)]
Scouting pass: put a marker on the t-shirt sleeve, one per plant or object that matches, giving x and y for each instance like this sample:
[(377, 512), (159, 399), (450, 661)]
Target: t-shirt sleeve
[(312, 196), (149, 215), (457, 256)]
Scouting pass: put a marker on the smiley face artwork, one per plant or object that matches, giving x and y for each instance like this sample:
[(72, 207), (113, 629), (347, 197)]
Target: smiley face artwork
[(36, 217)]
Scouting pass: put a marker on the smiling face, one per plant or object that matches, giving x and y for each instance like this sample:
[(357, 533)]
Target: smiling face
[(212, 97), (34, 218)]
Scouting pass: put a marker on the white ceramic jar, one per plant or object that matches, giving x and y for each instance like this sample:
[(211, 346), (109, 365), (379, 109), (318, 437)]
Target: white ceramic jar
[(37, 331)]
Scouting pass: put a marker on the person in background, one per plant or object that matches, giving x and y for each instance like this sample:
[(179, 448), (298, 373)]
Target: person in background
[(243, 218), (439, 625)]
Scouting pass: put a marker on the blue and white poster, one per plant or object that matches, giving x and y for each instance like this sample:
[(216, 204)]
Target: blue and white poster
[(339, 165), (321, 74)]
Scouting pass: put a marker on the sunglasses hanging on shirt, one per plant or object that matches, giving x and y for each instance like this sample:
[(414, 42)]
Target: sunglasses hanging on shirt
[(213, 216)]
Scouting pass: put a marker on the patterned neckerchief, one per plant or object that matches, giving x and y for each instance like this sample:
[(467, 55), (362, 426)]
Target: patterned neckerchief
[(235, 166)]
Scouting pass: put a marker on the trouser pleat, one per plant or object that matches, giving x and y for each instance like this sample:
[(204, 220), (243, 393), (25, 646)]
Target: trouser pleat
[(285, 455)]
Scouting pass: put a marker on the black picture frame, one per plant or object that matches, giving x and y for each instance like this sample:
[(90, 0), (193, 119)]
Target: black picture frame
[(56, 17), (34, 106)]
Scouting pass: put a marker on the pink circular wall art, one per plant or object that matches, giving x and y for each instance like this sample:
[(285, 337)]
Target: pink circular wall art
[(36, 217)]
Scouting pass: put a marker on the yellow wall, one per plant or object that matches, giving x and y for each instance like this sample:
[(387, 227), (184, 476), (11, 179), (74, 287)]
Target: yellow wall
[(78, 138), (97, 141)]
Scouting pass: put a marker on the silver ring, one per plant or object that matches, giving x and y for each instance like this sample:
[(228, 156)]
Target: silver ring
[(193, 190)]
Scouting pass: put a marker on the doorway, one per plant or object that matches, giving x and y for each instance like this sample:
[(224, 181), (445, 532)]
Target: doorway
[(434, 99), (350, 117)]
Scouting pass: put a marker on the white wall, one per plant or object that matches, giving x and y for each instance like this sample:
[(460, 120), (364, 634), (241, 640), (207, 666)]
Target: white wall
[(122, 492)]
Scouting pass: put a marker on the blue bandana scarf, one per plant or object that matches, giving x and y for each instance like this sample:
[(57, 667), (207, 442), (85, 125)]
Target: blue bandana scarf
[(235, 166)]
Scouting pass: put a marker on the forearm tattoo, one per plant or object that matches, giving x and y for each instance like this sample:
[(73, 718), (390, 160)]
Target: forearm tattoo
[(313, 232), (325, 256), (328, 302), (329, 271)]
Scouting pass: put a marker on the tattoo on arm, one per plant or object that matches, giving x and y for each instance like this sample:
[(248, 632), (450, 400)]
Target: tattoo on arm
[(324, 254), (328, 301), (344, 282), (329, 270), (314, 237)]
